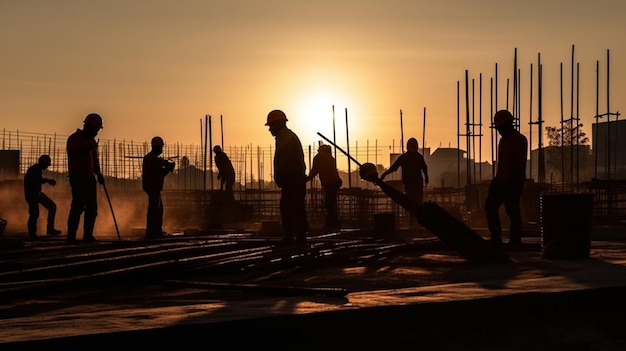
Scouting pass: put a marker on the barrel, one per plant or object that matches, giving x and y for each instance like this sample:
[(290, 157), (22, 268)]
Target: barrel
[(566, 220)]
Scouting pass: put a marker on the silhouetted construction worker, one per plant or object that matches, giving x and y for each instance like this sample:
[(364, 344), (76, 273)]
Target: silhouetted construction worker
[(33, 180), (225, 172), (290, 177), (154, 170), (508, 183), (84, 173), (325, 166), (413, 165)]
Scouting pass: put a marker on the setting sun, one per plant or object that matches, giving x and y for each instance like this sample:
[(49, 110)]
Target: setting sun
[(315, 110)]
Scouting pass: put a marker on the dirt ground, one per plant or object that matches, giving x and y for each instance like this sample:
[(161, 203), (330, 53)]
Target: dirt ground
[(543, 318)]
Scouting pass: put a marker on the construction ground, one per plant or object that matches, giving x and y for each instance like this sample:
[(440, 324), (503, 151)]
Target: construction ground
[(348, 290)]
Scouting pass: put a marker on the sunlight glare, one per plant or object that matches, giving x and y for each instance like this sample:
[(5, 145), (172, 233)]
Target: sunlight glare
[(314, 111)]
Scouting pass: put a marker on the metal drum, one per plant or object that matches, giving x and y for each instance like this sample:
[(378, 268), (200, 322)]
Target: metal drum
[(566, 220)]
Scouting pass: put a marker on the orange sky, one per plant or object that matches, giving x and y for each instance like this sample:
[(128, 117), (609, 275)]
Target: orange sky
[(156, 67)]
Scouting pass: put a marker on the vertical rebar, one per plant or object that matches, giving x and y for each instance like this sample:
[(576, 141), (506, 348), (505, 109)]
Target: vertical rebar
[(467, 129), (401, 134), (480, 127), (541, 167), (562, 125), (458, 134), (348, 147)]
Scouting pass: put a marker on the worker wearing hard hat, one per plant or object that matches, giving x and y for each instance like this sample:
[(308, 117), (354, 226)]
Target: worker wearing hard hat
[(290, 177), (33, 180), (154, 170), (84, 174), (325, 166), (508, 183)]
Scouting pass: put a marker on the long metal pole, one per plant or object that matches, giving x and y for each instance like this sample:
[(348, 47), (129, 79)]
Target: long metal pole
[(467, 130), (458, 134), (106, 192), (473, 133), (340, 149), (595, 135), (211, 151), (222, 131), (514, 111), (424, 132), (348, 145), (206, 119), (541, 167), (562, 124), (401, 134), (577, 122), (491, 131), (334, 136), (530, 121), (608, 116), (480, 127), (571, 123)]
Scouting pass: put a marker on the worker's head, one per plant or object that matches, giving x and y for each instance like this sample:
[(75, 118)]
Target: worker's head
[(217, 149), (92, 124), (411, 145), (503, 121), (276, 120), (44, 161), (502, 117), (157, 144), (368, 171), (324, 148)]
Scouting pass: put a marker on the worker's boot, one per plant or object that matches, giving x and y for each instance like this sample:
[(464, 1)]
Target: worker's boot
[(52, 231)]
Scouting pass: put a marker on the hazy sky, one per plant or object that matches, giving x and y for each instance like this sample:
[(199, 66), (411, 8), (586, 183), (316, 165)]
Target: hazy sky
[(157, 67)]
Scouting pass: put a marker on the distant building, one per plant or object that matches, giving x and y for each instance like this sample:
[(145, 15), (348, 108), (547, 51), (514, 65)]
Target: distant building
[(9, 164), (447, 167), (609, 143), (569, 164)]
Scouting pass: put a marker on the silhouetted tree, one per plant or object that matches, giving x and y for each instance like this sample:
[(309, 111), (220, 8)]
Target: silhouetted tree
[(569, 135)]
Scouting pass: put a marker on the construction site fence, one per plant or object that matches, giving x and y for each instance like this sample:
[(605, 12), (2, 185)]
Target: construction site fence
[(194, 166)]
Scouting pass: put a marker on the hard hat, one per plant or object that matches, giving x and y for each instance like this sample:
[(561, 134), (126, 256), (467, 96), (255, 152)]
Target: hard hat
[(502, 117), (94, 120), (157, 141), (45, 159), (368, 171), (275, 115), (324, 148), (217, 148), (412, 145)]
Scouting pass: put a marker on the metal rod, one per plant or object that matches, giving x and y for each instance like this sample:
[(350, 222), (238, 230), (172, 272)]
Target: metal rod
[(348, 144), (467, 130), (401, 134), (340, 149), (458, 134), (210, 152), (106, 192), (334, 135), (424, 132)]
